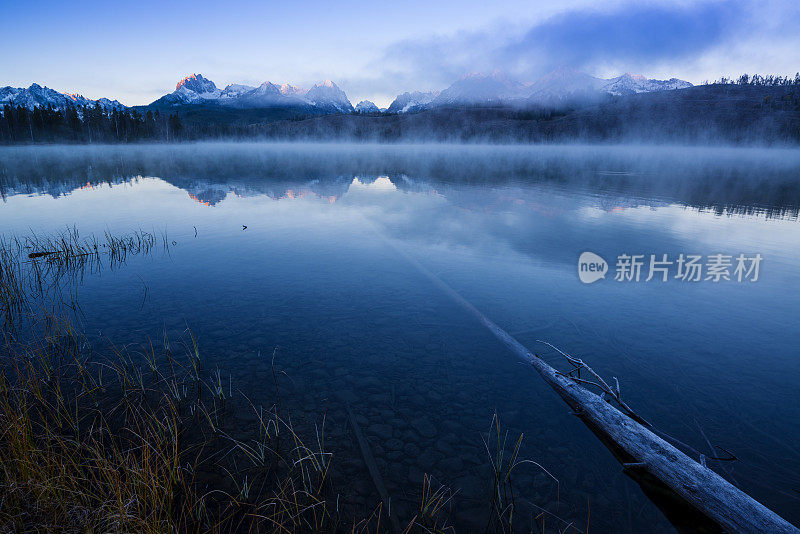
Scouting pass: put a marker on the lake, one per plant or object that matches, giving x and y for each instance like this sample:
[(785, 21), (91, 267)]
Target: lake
[(333, 258)]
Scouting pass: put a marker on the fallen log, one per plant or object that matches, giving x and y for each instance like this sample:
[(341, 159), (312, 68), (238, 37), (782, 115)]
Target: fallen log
[(639, 449), (664, 472), (652, 459)]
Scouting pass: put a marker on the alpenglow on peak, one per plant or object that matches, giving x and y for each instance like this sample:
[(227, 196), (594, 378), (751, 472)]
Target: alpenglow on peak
[(197, 83)]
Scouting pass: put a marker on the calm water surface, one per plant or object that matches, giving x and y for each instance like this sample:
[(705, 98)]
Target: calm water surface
[(327, 270)]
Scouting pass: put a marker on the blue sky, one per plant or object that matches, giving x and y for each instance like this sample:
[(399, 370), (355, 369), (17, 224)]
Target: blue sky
[(137, 51)]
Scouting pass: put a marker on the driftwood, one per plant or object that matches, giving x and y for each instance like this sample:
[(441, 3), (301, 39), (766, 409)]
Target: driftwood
[(644, 452), (664, 472), (641, 450), (650, 458)]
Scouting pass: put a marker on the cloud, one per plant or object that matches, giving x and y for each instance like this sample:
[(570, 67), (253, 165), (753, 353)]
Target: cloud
[(637, 35), (663, 39)]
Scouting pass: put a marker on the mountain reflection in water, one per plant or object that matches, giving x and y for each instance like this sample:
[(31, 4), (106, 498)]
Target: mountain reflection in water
[(318, 274)]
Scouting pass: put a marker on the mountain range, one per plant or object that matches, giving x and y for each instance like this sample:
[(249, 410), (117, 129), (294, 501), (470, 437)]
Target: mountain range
[(38, 96), (563, 85), (195, 89), (559, 86)]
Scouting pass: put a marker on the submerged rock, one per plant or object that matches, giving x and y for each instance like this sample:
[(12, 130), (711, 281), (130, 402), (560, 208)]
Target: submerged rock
[(381, 431), (425, 428)]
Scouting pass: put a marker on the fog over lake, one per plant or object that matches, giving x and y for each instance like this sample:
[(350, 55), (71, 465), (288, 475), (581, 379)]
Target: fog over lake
[(322, 251)]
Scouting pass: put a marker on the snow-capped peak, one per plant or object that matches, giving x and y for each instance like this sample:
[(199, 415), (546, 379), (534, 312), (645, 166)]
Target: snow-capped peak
[(234, 90), (328, 95), (327, 85), (637, 77), (37, 96), (412, 101), (196, 83), (367, 106), (193, 89), (289, 89), (267, 88), (477, 88), (563, 83), (636, 83)]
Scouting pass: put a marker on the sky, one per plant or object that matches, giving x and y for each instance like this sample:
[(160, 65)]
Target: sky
[(137, 51)]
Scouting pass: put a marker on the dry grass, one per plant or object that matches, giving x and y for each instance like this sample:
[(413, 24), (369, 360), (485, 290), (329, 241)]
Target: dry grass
[(139, 441), (73, 461), (144, 441), (126, 445)]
